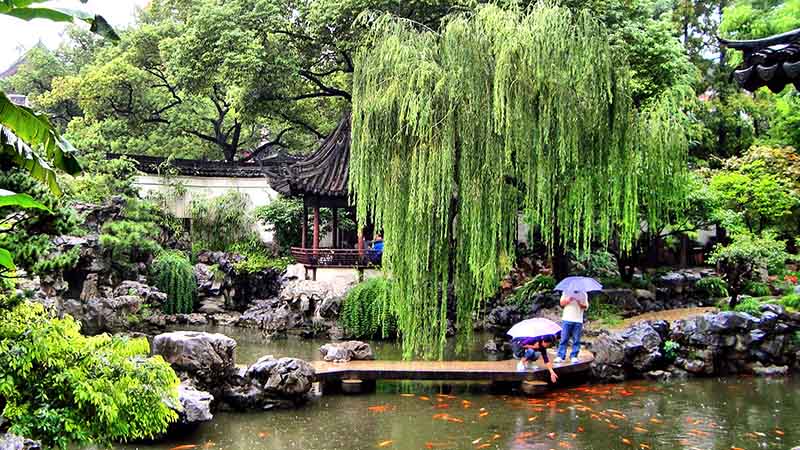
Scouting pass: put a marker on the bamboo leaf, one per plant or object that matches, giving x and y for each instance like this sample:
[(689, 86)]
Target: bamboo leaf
[(6, 260), (8, 198)]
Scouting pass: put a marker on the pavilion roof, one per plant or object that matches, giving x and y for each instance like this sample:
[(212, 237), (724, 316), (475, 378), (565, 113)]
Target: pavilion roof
[(773, 61), (322, 173)]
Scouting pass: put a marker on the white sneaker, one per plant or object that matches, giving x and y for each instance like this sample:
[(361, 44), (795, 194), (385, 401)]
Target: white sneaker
[(574, 360), (558, 360), (520, 367)]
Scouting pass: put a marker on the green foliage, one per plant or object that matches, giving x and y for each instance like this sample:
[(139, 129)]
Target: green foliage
[(443, 121), (749, 305), (712, 287), (757, 289), (597, 264), (285, 215), (67, 389), (671, 349), (221, 221), (135, 236), (523, 297), (366, 311), (745, 256), (791, 301), (27, 233), (105, 179), (606, 313), (754, 199), (173, 274), (257, 256)]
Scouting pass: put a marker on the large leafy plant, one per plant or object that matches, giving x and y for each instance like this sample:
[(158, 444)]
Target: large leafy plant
[(67, 389)]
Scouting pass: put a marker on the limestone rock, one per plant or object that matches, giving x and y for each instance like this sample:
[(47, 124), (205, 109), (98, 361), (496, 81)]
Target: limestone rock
[(270, 383), (9, 441), (769, 371), (195, 405), (207, 358), (346, 351)]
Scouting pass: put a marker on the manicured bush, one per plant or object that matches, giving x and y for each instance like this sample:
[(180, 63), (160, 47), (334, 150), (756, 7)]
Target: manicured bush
[(257, 257), (712, 287), (791, 301), (135, 236), (743, 258), (757, 289), (366, 312), (173, 274), (69, 390), (749, 305)]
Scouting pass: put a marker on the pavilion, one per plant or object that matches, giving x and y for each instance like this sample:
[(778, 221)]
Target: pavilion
[(773, 61), (320, 179)]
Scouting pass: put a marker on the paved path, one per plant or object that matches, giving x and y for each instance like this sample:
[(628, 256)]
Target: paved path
[(505, 370)]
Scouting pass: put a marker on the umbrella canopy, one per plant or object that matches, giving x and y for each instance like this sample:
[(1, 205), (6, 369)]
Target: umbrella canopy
[(535, 328), (578, 284)]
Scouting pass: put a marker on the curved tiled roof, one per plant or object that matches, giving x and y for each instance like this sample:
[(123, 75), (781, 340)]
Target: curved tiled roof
[(773, 62), (324, 172)]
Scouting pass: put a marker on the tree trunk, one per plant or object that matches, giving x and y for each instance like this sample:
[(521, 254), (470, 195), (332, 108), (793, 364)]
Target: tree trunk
[(559, 260)]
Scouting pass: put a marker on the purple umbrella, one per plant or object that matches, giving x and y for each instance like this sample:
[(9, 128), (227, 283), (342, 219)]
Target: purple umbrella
[(535, 328)]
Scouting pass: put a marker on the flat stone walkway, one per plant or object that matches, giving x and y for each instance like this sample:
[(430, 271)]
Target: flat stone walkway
[(505, 370)]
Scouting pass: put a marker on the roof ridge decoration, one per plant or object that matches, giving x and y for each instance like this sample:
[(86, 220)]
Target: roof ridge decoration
[(324, 172), (773, 61)]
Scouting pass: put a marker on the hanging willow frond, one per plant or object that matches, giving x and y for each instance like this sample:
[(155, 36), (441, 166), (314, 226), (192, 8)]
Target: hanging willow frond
[(454, 132)]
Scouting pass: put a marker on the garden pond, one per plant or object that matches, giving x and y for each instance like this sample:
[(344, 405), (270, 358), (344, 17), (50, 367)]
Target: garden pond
[(707, 414)]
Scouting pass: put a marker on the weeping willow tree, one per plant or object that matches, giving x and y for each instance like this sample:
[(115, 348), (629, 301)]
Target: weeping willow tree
[(456, 130)]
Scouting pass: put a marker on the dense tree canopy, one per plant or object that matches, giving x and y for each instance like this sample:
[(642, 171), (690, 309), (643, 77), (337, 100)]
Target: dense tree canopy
[(453, 130)]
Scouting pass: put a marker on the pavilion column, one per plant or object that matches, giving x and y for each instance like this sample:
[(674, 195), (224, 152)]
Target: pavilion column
[(361, 242), (315, 239), (304, 225), (335, 227)]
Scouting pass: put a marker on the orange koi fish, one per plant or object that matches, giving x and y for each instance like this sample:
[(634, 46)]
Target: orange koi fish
[(656, 421), (440, 416), (442, 406), (532, 418), (380, 408), (640, 429), (736, 448), (483, 414), (551, 435), (486, 445), (476, 441), (613, 426), (644, 446), (383, 444), (779, 432), (627, 441), (184, 447), (581, 429), (495, 437), (424, 397), (438, 444), (455, 420), (263, 434)]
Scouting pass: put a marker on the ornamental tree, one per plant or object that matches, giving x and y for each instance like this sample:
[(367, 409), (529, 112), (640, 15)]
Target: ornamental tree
[(455, 130)]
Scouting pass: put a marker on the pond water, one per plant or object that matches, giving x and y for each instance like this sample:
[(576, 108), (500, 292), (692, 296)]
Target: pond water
[(719, 413)]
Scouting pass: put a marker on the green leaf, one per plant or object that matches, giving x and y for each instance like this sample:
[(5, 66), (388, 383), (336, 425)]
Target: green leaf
[(97, 23), (23, 134), (6, 260), (8, 198)]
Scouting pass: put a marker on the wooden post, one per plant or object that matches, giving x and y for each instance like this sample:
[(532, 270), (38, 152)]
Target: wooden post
[(315, 238), (335, 227), (304, 224), (360, 243)]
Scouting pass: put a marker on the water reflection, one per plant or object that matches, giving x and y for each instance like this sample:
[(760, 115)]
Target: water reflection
[(699, 414)]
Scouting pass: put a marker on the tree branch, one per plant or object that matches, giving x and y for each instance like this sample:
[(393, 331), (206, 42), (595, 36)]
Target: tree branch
[(261, 148), (334, 92)]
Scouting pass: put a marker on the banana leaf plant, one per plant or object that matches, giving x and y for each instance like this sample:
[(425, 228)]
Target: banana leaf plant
[(28, 139), (11, 199)]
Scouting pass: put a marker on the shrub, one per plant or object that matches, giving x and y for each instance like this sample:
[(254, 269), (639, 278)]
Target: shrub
[(671, 349), (366, 312), (749, 305), (285, 214), (28, 233), (173, 274), (712, 287), (523, 297), (744, 257), (105, 179), (67, 389), (606, 313), (222, 221), (791, 301), (757, 289), (599, 264), (135, 236)]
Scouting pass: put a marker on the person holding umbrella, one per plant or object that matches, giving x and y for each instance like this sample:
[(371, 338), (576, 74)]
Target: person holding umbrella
[(575, 301), (531, 338)]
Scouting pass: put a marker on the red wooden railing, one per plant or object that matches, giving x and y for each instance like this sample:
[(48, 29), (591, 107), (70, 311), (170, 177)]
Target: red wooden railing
[(336, 257)]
